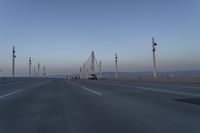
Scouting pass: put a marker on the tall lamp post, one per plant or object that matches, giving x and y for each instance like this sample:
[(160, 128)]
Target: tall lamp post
[(13, 62), (154, 58), (116, 67)]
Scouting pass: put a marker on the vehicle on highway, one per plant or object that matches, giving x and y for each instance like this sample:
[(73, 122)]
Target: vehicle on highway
[(92, 77)]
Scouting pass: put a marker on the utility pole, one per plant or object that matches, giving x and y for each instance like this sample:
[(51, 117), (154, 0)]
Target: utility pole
[(116, 67), (44, 71), (13, 62), (154, 58), (38, 70), (30, 63)]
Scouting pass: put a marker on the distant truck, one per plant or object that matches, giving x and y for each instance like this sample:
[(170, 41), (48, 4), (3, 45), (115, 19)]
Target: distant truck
[(92, 77)]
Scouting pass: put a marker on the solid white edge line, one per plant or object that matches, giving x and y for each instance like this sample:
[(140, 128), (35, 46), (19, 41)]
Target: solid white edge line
[(18, 82), (92, 91), (158, 90), (11, 93), (167, 91), (192, 87)]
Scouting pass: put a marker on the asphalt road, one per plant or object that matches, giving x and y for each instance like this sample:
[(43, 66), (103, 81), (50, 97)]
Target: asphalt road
[(59, 106)]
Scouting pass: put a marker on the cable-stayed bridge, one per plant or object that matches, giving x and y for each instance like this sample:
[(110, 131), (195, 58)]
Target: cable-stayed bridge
[(90, 68)]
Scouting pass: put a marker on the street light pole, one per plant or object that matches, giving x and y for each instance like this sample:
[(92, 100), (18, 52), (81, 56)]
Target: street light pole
[(30, 63), (154, 57), (38, 70), (13, 62), (44, 71), (116, 67), (34, 72), (100, 69)]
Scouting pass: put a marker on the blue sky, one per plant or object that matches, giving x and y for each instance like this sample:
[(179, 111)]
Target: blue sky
[(61, 34)]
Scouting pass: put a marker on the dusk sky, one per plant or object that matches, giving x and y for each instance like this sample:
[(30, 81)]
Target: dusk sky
[(61, 34)]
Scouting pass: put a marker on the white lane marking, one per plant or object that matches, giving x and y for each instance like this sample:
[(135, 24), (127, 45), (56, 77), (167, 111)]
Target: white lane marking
[(92, 91), (11, 93), (192, 87), (17, 82), (158, 90), (167, 91), (130, 86), (180, 86)]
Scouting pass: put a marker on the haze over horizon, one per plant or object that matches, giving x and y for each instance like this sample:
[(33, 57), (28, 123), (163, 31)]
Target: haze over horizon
[(61, 34)]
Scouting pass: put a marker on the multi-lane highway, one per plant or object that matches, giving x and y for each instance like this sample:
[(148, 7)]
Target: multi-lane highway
[(59, 106)]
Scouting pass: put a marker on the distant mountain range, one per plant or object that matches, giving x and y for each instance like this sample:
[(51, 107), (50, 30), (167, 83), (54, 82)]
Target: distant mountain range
[(142, 74)]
